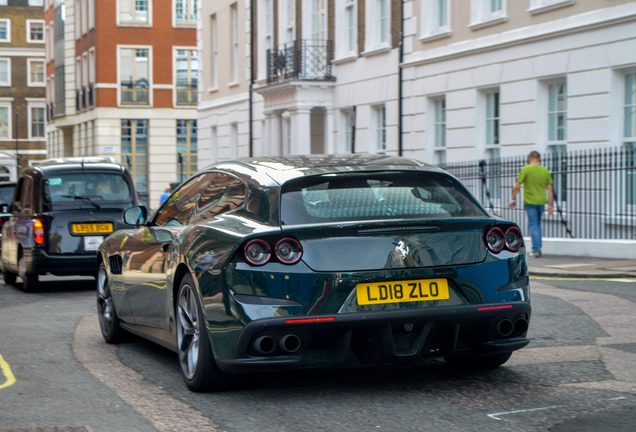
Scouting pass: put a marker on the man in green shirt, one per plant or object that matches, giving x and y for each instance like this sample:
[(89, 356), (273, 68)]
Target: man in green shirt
[(536, 180)]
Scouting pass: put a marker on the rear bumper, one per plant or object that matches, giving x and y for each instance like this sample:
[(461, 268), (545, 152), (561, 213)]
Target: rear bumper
[(381, 337), (40, 262)]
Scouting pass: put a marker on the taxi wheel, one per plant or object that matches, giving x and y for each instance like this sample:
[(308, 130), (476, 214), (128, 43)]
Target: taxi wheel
[(29, 280), (198, 368), (479, 362), (108, 321), (9, 277)]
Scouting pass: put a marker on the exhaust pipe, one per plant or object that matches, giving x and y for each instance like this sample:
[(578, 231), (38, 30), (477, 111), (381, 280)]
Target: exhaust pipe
[(505, 327), (290, 343), (264, 344), (521, 326)]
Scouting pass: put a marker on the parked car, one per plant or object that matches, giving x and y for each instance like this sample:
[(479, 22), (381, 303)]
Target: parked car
[(280, 263), (7, 189), (63, 210)]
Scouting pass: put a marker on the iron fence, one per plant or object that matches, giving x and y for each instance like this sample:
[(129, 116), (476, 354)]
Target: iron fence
[(595, 191), (304, 59)]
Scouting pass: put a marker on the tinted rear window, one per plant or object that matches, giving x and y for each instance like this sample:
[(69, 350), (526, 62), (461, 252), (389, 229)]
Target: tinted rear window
[(394, 195), (6, 194), (78, 188)]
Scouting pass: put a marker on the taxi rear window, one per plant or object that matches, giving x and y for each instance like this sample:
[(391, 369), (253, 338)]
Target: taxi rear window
[(78, 188), (371, 196)]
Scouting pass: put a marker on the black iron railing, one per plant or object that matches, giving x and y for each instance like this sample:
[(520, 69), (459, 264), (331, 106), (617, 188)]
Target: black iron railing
[(304, 59), (595, 191)]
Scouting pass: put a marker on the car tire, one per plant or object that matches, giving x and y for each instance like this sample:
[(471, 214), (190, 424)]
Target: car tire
[(29, 280), (108, 321), (9, 277), (196, 361), (490, 361)]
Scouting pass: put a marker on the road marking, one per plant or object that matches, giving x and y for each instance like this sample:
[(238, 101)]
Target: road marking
[(496, 415), (166, 412), (6, 370)]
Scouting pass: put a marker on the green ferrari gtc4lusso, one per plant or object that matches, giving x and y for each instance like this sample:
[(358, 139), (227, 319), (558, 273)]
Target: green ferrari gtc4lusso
[(279, 263)]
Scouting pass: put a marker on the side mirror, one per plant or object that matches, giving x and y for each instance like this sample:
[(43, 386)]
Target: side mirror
[(135, 216), (4, 208)]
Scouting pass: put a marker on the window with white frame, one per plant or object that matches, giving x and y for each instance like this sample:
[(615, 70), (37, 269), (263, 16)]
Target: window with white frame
[(5, 119), (349, 128), (187, 148), (36, 120), (134, 152), (557, 114), (485, 12), (36, 2), (134, 75), (629, 136), (538, 6), (346, 28), (287, 21), (266, 34), (234, 43), (78, 20), (5, 30), (187, 70), (492, 143), (439, 130), (84, 15), (35, 31), (185, 12), (378, 24), (134, 12), (91, 77), (35, 72), (234, 140), (214, 144), (91, 14), (5, 72), (557, 136), (214, 33), (436, 18), (380, 128)]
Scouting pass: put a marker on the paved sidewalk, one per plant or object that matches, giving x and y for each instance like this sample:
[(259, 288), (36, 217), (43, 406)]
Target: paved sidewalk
[(583, 267)]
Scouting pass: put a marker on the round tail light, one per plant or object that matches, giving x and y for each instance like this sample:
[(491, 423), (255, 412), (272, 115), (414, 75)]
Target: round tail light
[(288, 251), (514, 239), (257, 252), (495, 239)]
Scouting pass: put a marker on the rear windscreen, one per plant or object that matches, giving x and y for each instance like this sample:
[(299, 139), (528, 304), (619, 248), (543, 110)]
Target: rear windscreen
[(394, 195), (86, 187)]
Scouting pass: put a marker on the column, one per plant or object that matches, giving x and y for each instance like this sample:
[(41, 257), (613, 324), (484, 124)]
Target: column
[(301, 131)]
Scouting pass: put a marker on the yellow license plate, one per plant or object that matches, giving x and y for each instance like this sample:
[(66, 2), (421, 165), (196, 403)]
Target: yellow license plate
[(93, 228), (402, 291)]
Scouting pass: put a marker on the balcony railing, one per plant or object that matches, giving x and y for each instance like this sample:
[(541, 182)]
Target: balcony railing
[(134, 92), (187, 93), (304, 59)]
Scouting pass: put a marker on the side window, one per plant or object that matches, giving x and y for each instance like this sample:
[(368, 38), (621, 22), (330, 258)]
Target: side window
[(19, 192), (178, 209), (24, 193), (222, 194)]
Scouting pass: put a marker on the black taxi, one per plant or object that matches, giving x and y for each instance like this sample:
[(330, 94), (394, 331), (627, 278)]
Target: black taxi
[(62, 211)]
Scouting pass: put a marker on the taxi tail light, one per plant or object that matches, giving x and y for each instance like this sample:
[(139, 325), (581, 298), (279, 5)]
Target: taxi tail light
[(38, 232)]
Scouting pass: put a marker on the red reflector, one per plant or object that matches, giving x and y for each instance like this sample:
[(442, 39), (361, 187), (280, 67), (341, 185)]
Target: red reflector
[(487, 308), (306, 320), (38, 232)]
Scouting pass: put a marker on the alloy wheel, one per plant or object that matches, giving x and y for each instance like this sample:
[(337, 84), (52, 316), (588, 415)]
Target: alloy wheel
[(188, 331)]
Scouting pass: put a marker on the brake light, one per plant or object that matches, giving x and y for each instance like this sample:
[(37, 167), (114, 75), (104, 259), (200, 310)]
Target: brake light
[(497, 240), (308, 320), (258, 252), (38, 232)]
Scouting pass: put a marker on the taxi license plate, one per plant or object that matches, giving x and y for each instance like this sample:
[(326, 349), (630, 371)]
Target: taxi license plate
[(402, 291), (93, 228)]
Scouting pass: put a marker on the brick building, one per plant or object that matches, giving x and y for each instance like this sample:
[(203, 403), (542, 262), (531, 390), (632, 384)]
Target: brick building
[(22, 101), (122, 82)]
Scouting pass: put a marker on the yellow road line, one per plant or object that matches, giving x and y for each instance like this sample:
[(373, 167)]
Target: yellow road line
[(6, 370)]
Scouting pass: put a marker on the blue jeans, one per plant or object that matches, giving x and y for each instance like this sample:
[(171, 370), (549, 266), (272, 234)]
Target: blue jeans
[(534, 212)]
